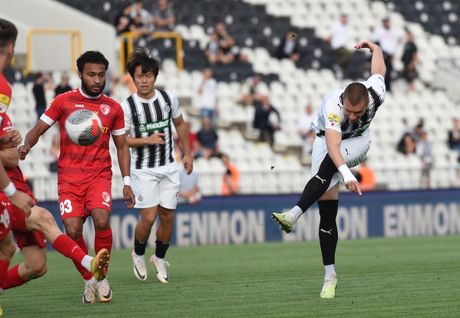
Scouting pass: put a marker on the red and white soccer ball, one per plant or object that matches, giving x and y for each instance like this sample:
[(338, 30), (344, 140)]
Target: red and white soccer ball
[(83, 127)]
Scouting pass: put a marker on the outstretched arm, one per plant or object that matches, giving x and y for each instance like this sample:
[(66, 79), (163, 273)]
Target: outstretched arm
[(32, 138), (377, 62)]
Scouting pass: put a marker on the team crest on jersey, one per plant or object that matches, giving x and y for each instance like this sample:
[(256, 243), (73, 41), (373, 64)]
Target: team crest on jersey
[(140, 198), (167, 109), (105, 109), (3, 107)]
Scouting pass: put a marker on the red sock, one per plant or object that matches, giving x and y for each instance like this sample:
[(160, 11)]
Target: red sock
[(3, 270), (83, 271), (103, 239), (13, 278), (64, 245)]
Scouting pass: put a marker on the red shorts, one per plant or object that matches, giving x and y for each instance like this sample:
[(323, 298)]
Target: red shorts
[(22, 235), (78, 200)]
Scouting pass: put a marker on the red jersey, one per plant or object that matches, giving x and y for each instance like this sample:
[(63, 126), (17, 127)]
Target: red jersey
[(5, 96), (82, 163)]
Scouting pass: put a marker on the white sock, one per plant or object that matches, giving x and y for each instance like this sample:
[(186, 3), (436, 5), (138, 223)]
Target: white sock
[(329, 271), (92, 281), (296, 212), (86, 262)]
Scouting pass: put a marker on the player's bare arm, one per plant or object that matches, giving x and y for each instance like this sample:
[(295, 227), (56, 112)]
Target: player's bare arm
[(333, 141), (32, 137), (124, 161), (11, 139), (377, 62), (182, 131), (153, 139), (9, 157)]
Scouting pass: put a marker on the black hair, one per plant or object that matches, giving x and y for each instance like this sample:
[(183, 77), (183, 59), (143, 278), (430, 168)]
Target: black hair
[(141, 57), (8, 33), (91, 57)]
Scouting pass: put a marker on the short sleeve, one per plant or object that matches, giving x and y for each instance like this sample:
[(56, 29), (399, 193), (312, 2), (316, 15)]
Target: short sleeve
[(6, 124), (127, 115), (118, 127), (332, 115), (54, 112), (175, 111), (376, 87)]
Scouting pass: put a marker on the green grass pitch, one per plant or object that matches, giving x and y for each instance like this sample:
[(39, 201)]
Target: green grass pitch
[(410, 277)]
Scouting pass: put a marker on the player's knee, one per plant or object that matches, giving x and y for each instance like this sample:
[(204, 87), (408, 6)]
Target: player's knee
[(7, 252), (46, 219), (101, 224), (37, 269), (73, 232)]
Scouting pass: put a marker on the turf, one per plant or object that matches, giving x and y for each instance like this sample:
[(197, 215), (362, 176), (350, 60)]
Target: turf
[(409, 277)]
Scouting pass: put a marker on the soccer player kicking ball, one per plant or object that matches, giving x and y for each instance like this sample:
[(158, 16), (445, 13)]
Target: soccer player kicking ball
[(148, 116), (342, 130), (85, 172)]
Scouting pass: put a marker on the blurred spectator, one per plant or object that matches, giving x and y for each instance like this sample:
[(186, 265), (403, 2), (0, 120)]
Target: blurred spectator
[(163, 16), (231, 177), (418, 130), (63, 85), (339, 39), (39, 93), (212, 48), (456, 178), (410, 59), (189, 191), (288, 47), (388, 38), (123, 20), (366, 177), (226, 43), (208, 95), (454, 135), (253, 91), (267, 119), (192, 141), (305, 131), (425, 152), (208, 140), (406, 144), (143, 17), (55, 151)]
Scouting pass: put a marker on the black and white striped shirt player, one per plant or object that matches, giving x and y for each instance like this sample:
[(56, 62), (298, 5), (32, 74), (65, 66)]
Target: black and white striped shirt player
[(355, 137), (146, 117)]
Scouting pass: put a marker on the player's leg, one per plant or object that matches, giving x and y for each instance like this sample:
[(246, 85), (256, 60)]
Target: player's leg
[(169, 188), (43, 221), (7, 250), (141, 236), (328, 237)]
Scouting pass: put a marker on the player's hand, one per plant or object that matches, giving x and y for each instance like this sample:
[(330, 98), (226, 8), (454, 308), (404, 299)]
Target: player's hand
[(10, 140), (188, 163), (366, 44), (156, 139), (22, 201), (23, 151), (353, 186), (128, 195)]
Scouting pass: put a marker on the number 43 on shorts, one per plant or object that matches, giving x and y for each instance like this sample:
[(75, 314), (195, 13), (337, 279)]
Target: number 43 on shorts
[(65, 206)]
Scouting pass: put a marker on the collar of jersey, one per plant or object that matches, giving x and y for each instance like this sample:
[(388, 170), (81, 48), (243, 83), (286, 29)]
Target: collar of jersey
[(87, 96), (143, 100)]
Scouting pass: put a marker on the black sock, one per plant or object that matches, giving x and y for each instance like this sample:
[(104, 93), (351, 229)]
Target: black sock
[(328, 235), (317, 185), (139, 247), (161, 248)]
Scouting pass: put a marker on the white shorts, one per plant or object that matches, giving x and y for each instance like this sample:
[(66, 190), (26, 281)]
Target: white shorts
[(156, 186), (353, 150)]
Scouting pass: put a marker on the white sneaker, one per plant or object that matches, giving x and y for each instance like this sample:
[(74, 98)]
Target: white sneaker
[(104, 291), (139, 269), (160, 266), (89, 295)]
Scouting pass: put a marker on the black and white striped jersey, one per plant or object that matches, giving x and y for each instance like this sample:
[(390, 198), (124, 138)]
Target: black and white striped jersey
[(331, 115), (144, 117)]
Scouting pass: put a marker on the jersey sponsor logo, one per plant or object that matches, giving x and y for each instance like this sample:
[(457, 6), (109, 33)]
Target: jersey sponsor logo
[(79, 105), (333, 118), (152, 127), (5, 219), (105, 109)]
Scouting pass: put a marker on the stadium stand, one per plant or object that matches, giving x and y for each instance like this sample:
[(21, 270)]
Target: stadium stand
[(258, 26)]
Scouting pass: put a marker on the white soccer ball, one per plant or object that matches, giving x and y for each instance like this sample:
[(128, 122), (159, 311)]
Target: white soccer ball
[(83, 127)]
